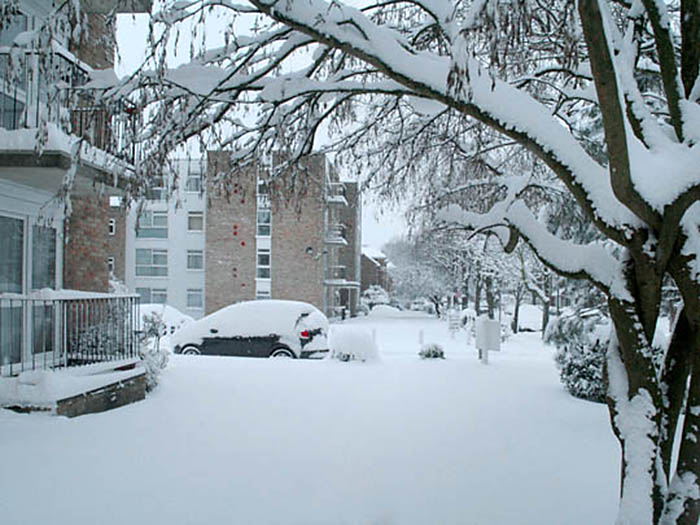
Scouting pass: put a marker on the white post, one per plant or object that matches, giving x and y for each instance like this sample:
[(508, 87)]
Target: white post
[(420, 337), (374, 335), (484, 356)]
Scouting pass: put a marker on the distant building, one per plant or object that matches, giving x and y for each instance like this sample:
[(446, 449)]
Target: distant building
[(375, 269), (257, 247), (207, 246)]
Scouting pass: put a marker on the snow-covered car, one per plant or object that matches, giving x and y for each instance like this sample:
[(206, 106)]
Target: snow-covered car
[(265, 328)]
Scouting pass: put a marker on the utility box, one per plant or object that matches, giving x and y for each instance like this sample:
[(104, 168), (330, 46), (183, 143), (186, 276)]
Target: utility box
[(488, 334)]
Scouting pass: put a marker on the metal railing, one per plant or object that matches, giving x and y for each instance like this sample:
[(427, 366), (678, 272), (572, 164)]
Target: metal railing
[(38, 333), (37, 87), (337, 272), (336, 234), (337, 193)]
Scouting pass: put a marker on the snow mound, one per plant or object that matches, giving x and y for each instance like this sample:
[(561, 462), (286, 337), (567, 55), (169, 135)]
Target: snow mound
[(349, 343), (383, 310), (529, 318), (172, 318)]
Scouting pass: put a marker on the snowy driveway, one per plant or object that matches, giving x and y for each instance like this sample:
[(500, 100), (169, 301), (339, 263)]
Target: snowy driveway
[(403, 441)]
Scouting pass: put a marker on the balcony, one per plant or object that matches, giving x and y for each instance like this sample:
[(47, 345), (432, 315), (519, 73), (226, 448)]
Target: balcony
[(70, 112), (47, 330), (337, 194), (337, 272), (336, 235)]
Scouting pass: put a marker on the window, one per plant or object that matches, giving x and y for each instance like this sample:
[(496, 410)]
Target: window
[(115, 201), (11, 254), (145, 294), (195, 221), (263, 222), (263, 271), (110, 264), (193, 183), (152, 295), (194, 298), (112, 226), (159, 295), (43, 257), (151, 263), (157, 191), (153, 225), (195, 260)]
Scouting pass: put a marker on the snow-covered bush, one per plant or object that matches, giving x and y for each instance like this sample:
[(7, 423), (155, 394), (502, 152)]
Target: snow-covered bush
[(431, 351), (373, 296), (153, 357), (581, 339), (349, 343)]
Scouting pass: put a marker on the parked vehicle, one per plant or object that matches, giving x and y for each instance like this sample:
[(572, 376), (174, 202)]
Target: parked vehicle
[(265, 328)]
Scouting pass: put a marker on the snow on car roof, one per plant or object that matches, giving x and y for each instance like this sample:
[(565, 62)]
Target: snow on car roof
[(256, 318)]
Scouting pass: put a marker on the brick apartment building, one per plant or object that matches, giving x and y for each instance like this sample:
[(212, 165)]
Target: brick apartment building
[(45, 254), (205, 247), (375, 269), (258, 247)]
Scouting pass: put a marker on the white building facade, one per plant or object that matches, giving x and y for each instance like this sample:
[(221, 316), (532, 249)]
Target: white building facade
[(165, 243)]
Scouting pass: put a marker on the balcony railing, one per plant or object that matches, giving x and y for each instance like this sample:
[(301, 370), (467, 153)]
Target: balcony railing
[(337, 193), (337, 272), (336, 234), (26, 101), (54, 332)]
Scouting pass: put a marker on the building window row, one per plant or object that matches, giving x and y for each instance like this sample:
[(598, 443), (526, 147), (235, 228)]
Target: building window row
[(263, 266), (153, 295), (195, 298), (195, 260), (153, 225), (195, 221), (151, 262)]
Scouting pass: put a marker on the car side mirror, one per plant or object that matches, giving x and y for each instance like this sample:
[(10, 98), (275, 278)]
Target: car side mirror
[(214, 331)]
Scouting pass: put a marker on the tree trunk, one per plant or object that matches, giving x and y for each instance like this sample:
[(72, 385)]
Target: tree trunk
[(477, 296), (516, 309), (645, 406), (490, 298)]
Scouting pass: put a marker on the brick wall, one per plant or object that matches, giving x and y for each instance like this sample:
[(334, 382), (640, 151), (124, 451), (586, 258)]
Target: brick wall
[(86, 245), (96, 47), (296, 273), (230, 236)]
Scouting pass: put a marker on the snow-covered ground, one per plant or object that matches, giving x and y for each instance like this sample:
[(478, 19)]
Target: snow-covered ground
[(395, 441)]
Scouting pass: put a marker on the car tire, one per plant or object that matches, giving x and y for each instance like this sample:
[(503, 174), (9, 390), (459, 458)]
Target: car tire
[(191, 350), (282, 351)]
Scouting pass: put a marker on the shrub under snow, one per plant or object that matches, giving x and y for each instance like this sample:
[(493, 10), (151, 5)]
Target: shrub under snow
[(349, 343), (581, 340), (432, 351), (153, 357)]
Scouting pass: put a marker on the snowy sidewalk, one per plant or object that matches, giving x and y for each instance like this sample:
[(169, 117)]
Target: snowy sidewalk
[(403, 441)]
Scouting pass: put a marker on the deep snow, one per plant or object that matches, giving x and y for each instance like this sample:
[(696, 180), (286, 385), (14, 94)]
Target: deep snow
[(397, 441)]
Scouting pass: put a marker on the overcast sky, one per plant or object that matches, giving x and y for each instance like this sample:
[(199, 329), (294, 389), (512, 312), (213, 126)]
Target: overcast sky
[(378, 224)]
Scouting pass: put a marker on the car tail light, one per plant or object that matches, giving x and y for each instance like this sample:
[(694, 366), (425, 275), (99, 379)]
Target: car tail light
[(305, 334)]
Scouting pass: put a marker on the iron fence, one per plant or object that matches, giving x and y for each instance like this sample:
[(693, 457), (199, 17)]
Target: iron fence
[(37, 333)]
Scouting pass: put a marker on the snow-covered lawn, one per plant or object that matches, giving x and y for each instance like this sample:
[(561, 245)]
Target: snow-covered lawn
[(399, 441)]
